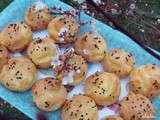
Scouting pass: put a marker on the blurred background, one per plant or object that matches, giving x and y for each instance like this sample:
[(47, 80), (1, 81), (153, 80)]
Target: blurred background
[(139, 17)]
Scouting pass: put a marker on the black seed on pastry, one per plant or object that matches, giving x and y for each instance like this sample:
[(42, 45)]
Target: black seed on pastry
[(127, 98), (7, 84), (80, 105), (112, 54), (96, 46), (117, 57), (71, 113), (153, 67), (46, 104), (126, 59)]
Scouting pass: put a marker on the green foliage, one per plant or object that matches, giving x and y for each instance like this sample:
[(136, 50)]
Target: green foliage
[(4, 3)]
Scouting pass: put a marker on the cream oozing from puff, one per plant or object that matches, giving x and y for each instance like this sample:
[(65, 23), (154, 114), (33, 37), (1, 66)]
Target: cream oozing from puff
[(72, 68)]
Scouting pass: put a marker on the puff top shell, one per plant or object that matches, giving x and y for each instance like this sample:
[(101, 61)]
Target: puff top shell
[(119, 62), (16, 36), (146, 80), (79, 108), (38, 16), (91, 47), (19, 74), (136, 107), (48, 94), (103, 87), (63, 29)]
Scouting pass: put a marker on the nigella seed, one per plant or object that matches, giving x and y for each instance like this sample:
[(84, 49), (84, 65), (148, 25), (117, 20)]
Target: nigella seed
[(18, 77), (96, 79), (49, 82), (93, 82), (11, 24), (83, 73), (126, 59), (7, 84), (80, 105), (71, 113), (127, 98), (112, 54), (153, 67), (117, 57), (95, 37), (96, 46), (46, 104)]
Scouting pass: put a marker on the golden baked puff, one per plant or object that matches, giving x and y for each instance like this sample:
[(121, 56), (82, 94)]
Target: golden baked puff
[(4, 56), (72, 68), (79, 108), (19, 74), (112, 117), (41, 52), (146, 80), (91, 47), (16, 36), (103, 87), (38, 16), (119, 62), (63, 29), (48, 94), (136, 107)]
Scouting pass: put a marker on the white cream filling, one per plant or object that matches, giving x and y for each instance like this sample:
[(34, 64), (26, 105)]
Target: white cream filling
[(78, 71), (86, 52), (16, 54), (68, 78), (39, 5), (55, 59), (98, 1)]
